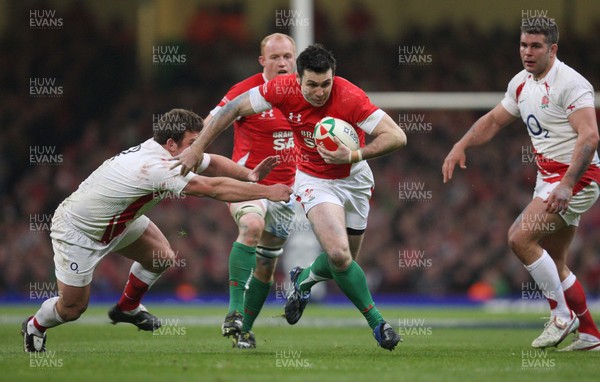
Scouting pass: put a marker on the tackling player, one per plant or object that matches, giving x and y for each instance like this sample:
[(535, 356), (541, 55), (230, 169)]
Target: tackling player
[(106, 214), (263, 225), (557, 105), (334, 187)]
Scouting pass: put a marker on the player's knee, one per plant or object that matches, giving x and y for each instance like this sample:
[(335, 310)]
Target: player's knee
[(251, 227), (515, 238), (518, 241), (340, 259)]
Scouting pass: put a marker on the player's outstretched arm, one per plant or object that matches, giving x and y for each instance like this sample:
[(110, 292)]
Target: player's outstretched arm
[(231, 190), (482, 131), (222, 166), (189, 159)]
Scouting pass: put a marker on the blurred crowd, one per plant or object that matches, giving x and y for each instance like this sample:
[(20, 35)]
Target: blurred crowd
[(457, 230)]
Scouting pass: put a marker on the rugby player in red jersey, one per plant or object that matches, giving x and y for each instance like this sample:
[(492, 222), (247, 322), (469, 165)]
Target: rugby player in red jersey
[(334, 187), (263, 226)]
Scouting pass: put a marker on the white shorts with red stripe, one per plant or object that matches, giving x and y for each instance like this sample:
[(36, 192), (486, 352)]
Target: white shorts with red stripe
[(76, 255), (580, 202)]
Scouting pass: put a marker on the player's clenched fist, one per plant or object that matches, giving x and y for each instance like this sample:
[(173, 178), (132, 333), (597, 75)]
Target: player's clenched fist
[(279, 193)]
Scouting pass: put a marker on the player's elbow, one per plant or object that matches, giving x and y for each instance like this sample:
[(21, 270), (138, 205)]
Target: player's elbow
[(593, 139), (399, 138)]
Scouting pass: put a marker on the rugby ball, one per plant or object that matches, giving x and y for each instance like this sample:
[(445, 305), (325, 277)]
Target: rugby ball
[(330, 127)]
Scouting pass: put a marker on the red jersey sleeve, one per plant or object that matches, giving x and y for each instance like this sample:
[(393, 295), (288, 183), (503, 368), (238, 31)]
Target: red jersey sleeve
[(277, 90)]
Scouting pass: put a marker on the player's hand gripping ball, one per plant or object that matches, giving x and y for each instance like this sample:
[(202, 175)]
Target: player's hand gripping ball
[(330, 127)]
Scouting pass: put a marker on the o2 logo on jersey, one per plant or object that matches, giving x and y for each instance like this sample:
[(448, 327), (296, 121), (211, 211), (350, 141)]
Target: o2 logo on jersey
[(535, 128)]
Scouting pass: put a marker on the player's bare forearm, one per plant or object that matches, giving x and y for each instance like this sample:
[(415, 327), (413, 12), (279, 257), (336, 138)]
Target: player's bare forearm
[(585, 147), (482, 131), (389, 137), (485, 128), (223, 166), (231, 190), (581, 161)]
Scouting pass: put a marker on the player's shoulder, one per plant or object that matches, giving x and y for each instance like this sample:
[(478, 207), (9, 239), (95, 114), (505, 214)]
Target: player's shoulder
[(519, 78), (345, 88), (566, 75), (281, 86), (133, 158), (150, 145), (147, 151)]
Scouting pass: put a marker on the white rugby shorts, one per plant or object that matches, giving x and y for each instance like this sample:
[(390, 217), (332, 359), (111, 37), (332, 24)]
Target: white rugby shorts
[(579, 203), (352, 193), (76, 255)]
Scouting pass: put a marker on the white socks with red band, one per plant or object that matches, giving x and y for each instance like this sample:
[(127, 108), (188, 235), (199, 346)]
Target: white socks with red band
[(143, 274), (46, 317), (545, 274)]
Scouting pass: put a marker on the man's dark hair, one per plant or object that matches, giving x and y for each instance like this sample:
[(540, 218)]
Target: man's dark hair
[(316, 59), (174, 124), (541, 25)]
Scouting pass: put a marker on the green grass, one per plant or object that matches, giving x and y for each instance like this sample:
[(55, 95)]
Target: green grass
[(192, 349)]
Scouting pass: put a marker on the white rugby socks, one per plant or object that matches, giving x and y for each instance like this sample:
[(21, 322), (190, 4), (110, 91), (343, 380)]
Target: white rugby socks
[(46, 317), (545, 274)]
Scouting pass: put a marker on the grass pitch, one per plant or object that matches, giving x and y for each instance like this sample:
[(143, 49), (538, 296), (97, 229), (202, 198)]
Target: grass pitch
[(330, 343)]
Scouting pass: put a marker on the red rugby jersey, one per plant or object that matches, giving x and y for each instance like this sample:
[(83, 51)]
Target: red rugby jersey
[(346, 101), (261, 135)]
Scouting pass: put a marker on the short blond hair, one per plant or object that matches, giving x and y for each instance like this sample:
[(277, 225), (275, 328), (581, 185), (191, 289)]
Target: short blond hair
[(265, 40)]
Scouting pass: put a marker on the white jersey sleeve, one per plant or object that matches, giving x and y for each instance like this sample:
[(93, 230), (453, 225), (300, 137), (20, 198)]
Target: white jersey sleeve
[(578, 96), (510, 100), (369, 124), (259, 103)]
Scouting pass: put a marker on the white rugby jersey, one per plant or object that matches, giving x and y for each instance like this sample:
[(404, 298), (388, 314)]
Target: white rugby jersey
[(544, 106), (123, 188)]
